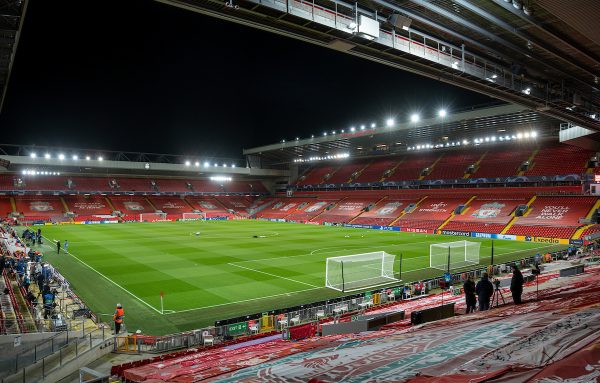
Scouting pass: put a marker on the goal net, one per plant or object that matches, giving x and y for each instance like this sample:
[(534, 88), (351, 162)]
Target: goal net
[(192, 216), (461, 254), (359, 271), (152, 217)]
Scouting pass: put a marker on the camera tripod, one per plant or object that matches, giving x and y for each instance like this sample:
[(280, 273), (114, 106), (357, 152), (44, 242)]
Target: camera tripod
[(496, 297)]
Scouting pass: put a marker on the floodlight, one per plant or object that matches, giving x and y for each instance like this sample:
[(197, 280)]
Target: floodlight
[(224, 165), (33, 155), (283, 141), (220, 178), (373, 125), (61, 156), (297, 138), (390, 122), (206, 164), (352, 129), (487, 139), (333, 132), (414, 117), (196, 164), (312, 136), (75, 157), (534, 134), (526, 134), (47, 156), (442, 113), (187, 163), (493, 138), (324, 134), (87, 158), (519, 135), (100, 158), (216, 164), (233, 165), (465, 142)]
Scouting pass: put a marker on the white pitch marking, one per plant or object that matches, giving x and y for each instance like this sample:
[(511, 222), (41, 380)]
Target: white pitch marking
[(113, 282), (273, 275), (245, 300)]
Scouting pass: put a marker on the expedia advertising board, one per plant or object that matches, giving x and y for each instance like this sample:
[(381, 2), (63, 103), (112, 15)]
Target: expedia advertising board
[(553, 241)]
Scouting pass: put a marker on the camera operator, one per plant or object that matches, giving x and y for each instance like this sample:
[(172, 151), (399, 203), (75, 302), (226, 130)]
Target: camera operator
[(484, 290), (516, 284)]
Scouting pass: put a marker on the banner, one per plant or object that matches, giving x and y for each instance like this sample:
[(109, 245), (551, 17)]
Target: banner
[(455, 233), (237, 328), (555, 241)]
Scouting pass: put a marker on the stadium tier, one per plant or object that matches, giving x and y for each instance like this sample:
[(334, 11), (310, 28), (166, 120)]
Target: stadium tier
[(318, 175), (412, 166), (6, 206), (209, 206), (546, 159), (377, 169), (132, 206), (170, 205), (385, 212), (454, 165), (88, 205), (503, 162), (556, 217), (348, 172), (345, 209), (559, 159), (486, 214), (40, 207), (241, 205)]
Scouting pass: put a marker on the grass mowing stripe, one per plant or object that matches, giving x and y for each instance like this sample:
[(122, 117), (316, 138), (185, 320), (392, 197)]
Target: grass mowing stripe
[(110, 280), (273, 275)]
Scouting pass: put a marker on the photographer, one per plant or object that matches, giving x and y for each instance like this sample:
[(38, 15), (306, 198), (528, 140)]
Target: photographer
[(516, 285)]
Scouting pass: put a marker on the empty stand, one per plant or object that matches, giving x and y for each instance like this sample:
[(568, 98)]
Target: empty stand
[(318, 173), (208, 205), (376, 170), (88, 205), (556, 217), (40, 207), (131, 205), (345, 173), (503, 161), (454, 164), (170, 205), (385, 212), (5, 206), (346, 209), (412, 166), (486, 214), (430, 213), (559, 159)]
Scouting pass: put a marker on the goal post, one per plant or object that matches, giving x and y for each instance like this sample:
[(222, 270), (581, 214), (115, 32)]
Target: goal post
[(152, 217), (456, 255), (359, 271)]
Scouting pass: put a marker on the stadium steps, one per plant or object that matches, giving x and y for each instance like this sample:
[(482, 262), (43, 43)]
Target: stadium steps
[(404, 212), (26, 315), (532, 200), (326, 210), (579, 232), (514, 219), (530, 159), (109, 202), (13, 204), (11, 325), (467, 175), (189, 204), (360, 172), (432, 166), (593, 209), (64, 203), (392, 170), (151, 203), (359, 214)]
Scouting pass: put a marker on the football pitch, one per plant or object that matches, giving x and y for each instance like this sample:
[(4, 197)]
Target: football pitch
[(229, 269)]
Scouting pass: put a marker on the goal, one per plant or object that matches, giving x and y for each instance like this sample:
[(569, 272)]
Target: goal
[(359, 271), (460, 253), (193, 216), (153, 217)]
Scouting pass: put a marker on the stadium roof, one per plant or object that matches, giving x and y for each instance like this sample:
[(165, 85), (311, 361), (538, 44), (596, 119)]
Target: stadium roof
[(12, 14), (455, 127), (541, 54)]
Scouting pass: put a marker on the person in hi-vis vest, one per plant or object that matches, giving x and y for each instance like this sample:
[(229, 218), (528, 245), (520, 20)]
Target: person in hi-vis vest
[(118, 318)]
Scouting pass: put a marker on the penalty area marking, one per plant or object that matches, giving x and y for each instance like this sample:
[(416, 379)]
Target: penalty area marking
[(243, 301), (273, 275), (111, 281)]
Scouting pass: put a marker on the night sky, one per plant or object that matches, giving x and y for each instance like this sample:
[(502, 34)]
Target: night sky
[(138, 75)]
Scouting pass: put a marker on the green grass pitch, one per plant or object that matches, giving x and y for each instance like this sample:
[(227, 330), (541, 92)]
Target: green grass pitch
[(225, 271)]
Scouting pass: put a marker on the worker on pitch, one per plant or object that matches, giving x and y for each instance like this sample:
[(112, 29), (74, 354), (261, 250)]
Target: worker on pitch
[(118, 318)]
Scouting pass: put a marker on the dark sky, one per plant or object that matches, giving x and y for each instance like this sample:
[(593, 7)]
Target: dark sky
[(142, 76)]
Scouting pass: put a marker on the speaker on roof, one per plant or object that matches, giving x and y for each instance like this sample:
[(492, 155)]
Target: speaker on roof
[(400, 21)]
